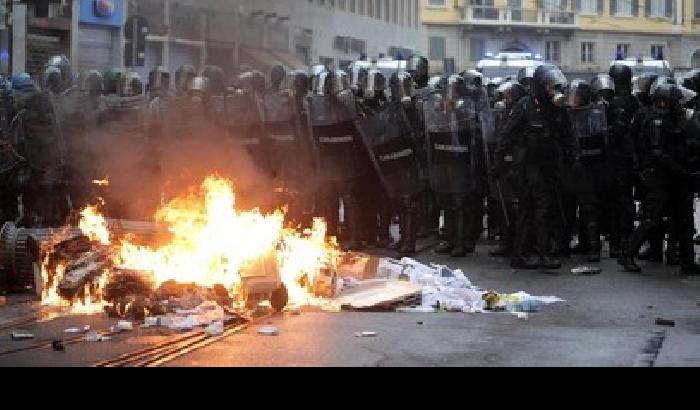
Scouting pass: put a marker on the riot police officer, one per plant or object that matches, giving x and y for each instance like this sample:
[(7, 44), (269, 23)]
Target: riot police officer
[(621, 111), (591, 180), (540, 123), (342, 157), (452, 151), (664, 152), (503, 184), (428, 211)]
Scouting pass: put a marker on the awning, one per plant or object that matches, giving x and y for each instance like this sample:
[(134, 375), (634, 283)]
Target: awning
[(264, 60), (257, 59), (290, 61)]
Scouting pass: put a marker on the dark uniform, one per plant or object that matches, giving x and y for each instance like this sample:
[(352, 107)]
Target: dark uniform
[(543, 128), (664, 151)]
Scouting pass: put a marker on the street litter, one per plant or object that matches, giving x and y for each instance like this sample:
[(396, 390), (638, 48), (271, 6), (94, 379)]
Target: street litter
[(268, 331), (125, 325), (365, 334), (22, 335), (587, 270), (665, 322), (409, 286), (216, 328), (3, 300), (72, 330), (93, 337)]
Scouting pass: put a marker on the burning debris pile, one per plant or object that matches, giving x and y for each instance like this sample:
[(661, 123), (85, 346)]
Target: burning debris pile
[(200, 249)]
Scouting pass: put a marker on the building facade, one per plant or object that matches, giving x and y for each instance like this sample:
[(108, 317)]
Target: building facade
[(228, 33), (581, 36)]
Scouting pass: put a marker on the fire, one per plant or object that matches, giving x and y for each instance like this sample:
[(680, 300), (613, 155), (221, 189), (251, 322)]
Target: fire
[(101, 182), (210, 243), (93, 224)]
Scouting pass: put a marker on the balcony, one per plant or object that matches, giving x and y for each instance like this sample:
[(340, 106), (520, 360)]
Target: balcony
[(499, 16)]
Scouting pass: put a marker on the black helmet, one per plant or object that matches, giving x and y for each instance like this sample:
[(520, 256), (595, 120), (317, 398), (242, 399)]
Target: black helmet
[(158, 79), (57, 74), (419, 68), (474, 81), (579, 93), (642, 87), (331, 83), (401, 86), (93, 83), (183, 77), (455, 87), (298, 82), (277, 75), (549, 84), (692, 80), (510, 93), (622, 76), (113, 78), (603, 86), (525, 77), (252, 81), (665, 98), (216, 79), (376, 84)]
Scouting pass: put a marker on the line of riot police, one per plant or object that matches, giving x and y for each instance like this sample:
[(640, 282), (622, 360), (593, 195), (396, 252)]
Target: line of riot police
[(545, 159)]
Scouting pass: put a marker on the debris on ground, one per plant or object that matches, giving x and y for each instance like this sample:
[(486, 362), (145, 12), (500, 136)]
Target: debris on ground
[(409, 286), (665, 322), (124, 326), (216, 328), (3, 301), (268, 331), (365, 334), (22, 335), (587, 270), (92, 337)]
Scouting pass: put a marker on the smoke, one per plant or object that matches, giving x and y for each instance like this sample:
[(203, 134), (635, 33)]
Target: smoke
[(146, 171)]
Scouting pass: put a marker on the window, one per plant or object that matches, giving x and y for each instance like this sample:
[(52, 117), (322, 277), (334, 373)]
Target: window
[(697, 9), (552, 51), (587, 52), (437, 48), (477, 49), (622, 51), (659, 8), (589, 6), (657, 50), (436, 3), (623, 7)]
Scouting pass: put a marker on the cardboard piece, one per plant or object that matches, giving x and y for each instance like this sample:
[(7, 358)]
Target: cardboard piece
[(358, 266), (379, 294)]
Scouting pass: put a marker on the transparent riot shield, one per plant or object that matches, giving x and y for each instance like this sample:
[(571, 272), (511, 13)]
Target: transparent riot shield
[(388, 137), (450, 146)]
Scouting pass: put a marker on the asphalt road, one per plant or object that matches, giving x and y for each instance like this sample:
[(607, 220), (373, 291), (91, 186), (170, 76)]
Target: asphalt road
[(608, 320)]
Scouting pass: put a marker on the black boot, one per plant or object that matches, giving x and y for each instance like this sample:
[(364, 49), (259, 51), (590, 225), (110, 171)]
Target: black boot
[(594, 244), (548, 263), (447, 241), (628, 264), (690, 269), (408, 231), (529, 262), (651, 254)]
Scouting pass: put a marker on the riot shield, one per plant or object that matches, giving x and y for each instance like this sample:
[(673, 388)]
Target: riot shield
[(590, 128), (341, 155), (388, 138), (450, 147), (290, 157), (245, 125), (501, 188), (126, 116)]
